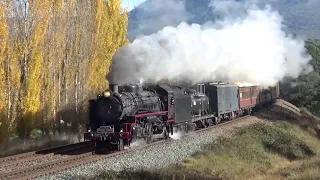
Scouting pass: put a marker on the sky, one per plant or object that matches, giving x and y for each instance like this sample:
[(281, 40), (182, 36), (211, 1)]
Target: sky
[(131, 3)]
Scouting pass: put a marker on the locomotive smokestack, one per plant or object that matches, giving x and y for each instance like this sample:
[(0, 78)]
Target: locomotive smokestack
[(114, 88)]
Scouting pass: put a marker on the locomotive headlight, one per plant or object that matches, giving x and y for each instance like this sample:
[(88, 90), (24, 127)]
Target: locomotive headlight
[(106, 94)]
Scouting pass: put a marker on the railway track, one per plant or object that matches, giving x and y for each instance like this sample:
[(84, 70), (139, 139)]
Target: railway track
[(85, 158), (16, 166)]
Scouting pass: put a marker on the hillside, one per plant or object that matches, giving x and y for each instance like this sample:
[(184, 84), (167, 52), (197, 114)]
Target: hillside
[(300, 16)]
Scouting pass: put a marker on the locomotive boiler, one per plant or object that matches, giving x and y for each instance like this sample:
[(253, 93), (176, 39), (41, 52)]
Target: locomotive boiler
[(125, 110), (124, 101), (134, 100)]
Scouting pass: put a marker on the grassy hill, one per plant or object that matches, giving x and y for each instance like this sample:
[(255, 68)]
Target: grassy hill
[(301, 16)]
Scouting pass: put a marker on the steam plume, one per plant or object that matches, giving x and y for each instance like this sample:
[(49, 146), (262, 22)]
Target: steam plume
[(176, 135), (247, 48)]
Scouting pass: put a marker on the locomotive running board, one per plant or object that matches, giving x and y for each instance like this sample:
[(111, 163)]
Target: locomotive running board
[(194, 119), (202, 117)]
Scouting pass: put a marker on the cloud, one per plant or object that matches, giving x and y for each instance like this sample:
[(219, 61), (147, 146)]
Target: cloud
[(153, 15)]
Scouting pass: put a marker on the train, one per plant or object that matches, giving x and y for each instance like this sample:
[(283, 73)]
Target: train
[(125, 113)]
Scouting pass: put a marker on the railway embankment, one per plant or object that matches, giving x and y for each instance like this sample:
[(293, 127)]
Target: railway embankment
[(199, 154), (283, 143)]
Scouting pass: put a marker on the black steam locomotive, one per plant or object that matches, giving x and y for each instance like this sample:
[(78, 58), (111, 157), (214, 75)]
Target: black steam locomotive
[(128, 112)]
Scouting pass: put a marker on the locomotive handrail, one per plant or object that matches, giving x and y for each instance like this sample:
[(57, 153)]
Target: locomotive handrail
[(139, 110), (151, 114)]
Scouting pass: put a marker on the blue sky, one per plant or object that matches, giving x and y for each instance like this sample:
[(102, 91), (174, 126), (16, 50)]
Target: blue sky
[(131, 3)]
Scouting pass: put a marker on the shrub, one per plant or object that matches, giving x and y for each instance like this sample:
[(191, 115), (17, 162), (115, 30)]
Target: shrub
[(277, 139)]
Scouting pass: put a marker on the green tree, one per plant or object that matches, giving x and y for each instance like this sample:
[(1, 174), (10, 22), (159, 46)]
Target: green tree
[(305, 90)]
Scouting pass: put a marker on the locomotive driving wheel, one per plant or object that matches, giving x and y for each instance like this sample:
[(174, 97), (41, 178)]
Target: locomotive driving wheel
[(148, 132), (148, 138), (193, 127), (166, 133), (215, 120), (120, 145)]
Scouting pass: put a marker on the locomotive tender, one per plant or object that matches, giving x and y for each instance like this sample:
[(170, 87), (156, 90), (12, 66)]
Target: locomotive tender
[(129, 112)]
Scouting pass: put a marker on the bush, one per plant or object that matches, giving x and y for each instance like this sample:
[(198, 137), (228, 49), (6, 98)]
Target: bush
[(35, 133), (277, 139)]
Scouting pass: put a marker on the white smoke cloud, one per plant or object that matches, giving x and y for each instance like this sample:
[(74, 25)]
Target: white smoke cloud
[(247, 48), (176, 135), (138, 143)]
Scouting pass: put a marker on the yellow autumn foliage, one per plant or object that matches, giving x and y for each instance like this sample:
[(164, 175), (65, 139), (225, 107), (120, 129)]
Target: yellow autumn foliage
[(110, 34), (4, 33), (55, 55), (4, 36), (32, 101)]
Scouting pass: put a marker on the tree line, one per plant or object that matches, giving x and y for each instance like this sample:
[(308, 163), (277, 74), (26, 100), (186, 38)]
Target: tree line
[(304, 91), (54, 55)]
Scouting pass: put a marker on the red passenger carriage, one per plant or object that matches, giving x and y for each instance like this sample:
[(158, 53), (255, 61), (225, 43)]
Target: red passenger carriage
[(256, 96)]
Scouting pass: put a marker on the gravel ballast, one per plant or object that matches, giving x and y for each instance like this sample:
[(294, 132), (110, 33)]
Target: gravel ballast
[(156, 156)]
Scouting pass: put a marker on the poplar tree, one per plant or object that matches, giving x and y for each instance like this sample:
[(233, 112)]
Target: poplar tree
[(110, 34), (54, 55), (4, 35), (33, 105)]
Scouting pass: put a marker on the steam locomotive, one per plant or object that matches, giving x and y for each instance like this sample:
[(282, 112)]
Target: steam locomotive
[(127, 112)]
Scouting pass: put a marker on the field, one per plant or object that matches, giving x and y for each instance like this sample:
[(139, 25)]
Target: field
[(283, 147)]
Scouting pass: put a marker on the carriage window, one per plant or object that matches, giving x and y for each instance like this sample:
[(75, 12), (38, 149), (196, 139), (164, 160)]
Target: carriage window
[(246, 95), (241, 95)]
